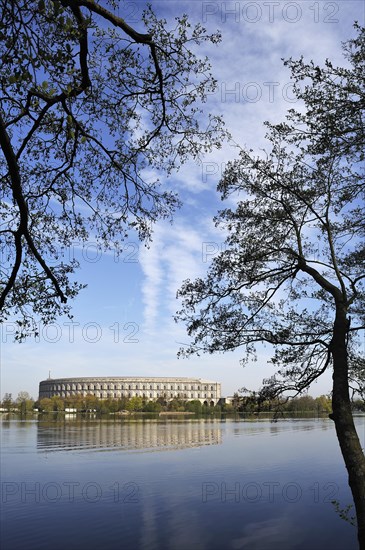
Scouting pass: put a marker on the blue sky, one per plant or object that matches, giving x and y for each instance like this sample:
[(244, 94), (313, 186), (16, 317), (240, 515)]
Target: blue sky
[(123, 321)]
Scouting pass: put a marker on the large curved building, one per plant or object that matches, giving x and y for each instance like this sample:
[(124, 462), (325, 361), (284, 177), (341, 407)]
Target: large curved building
[(122, 386)]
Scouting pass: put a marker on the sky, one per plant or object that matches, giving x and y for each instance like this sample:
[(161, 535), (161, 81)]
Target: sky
[(123, 321)]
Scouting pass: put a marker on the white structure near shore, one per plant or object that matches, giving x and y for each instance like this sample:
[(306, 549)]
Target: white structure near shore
[(149, 388)]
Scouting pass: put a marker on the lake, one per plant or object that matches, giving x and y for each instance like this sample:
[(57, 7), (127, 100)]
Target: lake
[(173, 483)]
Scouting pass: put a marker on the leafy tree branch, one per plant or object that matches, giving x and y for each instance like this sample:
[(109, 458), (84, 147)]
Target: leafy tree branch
[(91, 110)]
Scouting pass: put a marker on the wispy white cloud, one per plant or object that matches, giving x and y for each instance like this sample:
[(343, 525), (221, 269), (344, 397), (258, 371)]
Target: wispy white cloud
[(175, 254)]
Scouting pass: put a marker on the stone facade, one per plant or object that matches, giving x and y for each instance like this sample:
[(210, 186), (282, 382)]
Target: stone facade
[(149, 388)]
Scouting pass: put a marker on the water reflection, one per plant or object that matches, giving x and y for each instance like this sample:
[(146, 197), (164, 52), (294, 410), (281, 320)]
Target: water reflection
[(251, 426), (144, 435), (237, 484)]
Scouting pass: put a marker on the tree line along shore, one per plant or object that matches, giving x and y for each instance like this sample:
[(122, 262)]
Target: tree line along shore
[(251, 403)]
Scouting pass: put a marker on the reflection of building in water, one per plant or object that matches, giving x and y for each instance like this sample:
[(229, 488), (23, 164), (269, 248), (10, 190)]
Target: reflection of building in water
[(121, 386), (127, 435)]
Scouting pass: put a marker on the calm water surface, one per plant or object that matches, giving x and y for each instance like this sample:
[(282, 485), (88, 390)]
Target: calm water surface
[(173, 484)]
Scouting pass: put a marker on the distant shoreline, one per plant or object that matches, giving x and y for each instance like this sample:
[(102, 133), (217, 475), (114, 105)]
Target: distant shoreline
[(174, 413)]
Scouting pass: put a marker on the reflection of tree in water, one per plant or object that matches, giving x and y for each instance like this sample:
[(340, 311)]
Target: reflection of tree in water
[(126, 435)]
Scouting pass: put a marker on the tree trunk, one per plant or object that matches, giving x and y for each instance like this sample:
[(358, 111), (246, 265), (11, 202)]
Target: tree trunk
[(342, 415)]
